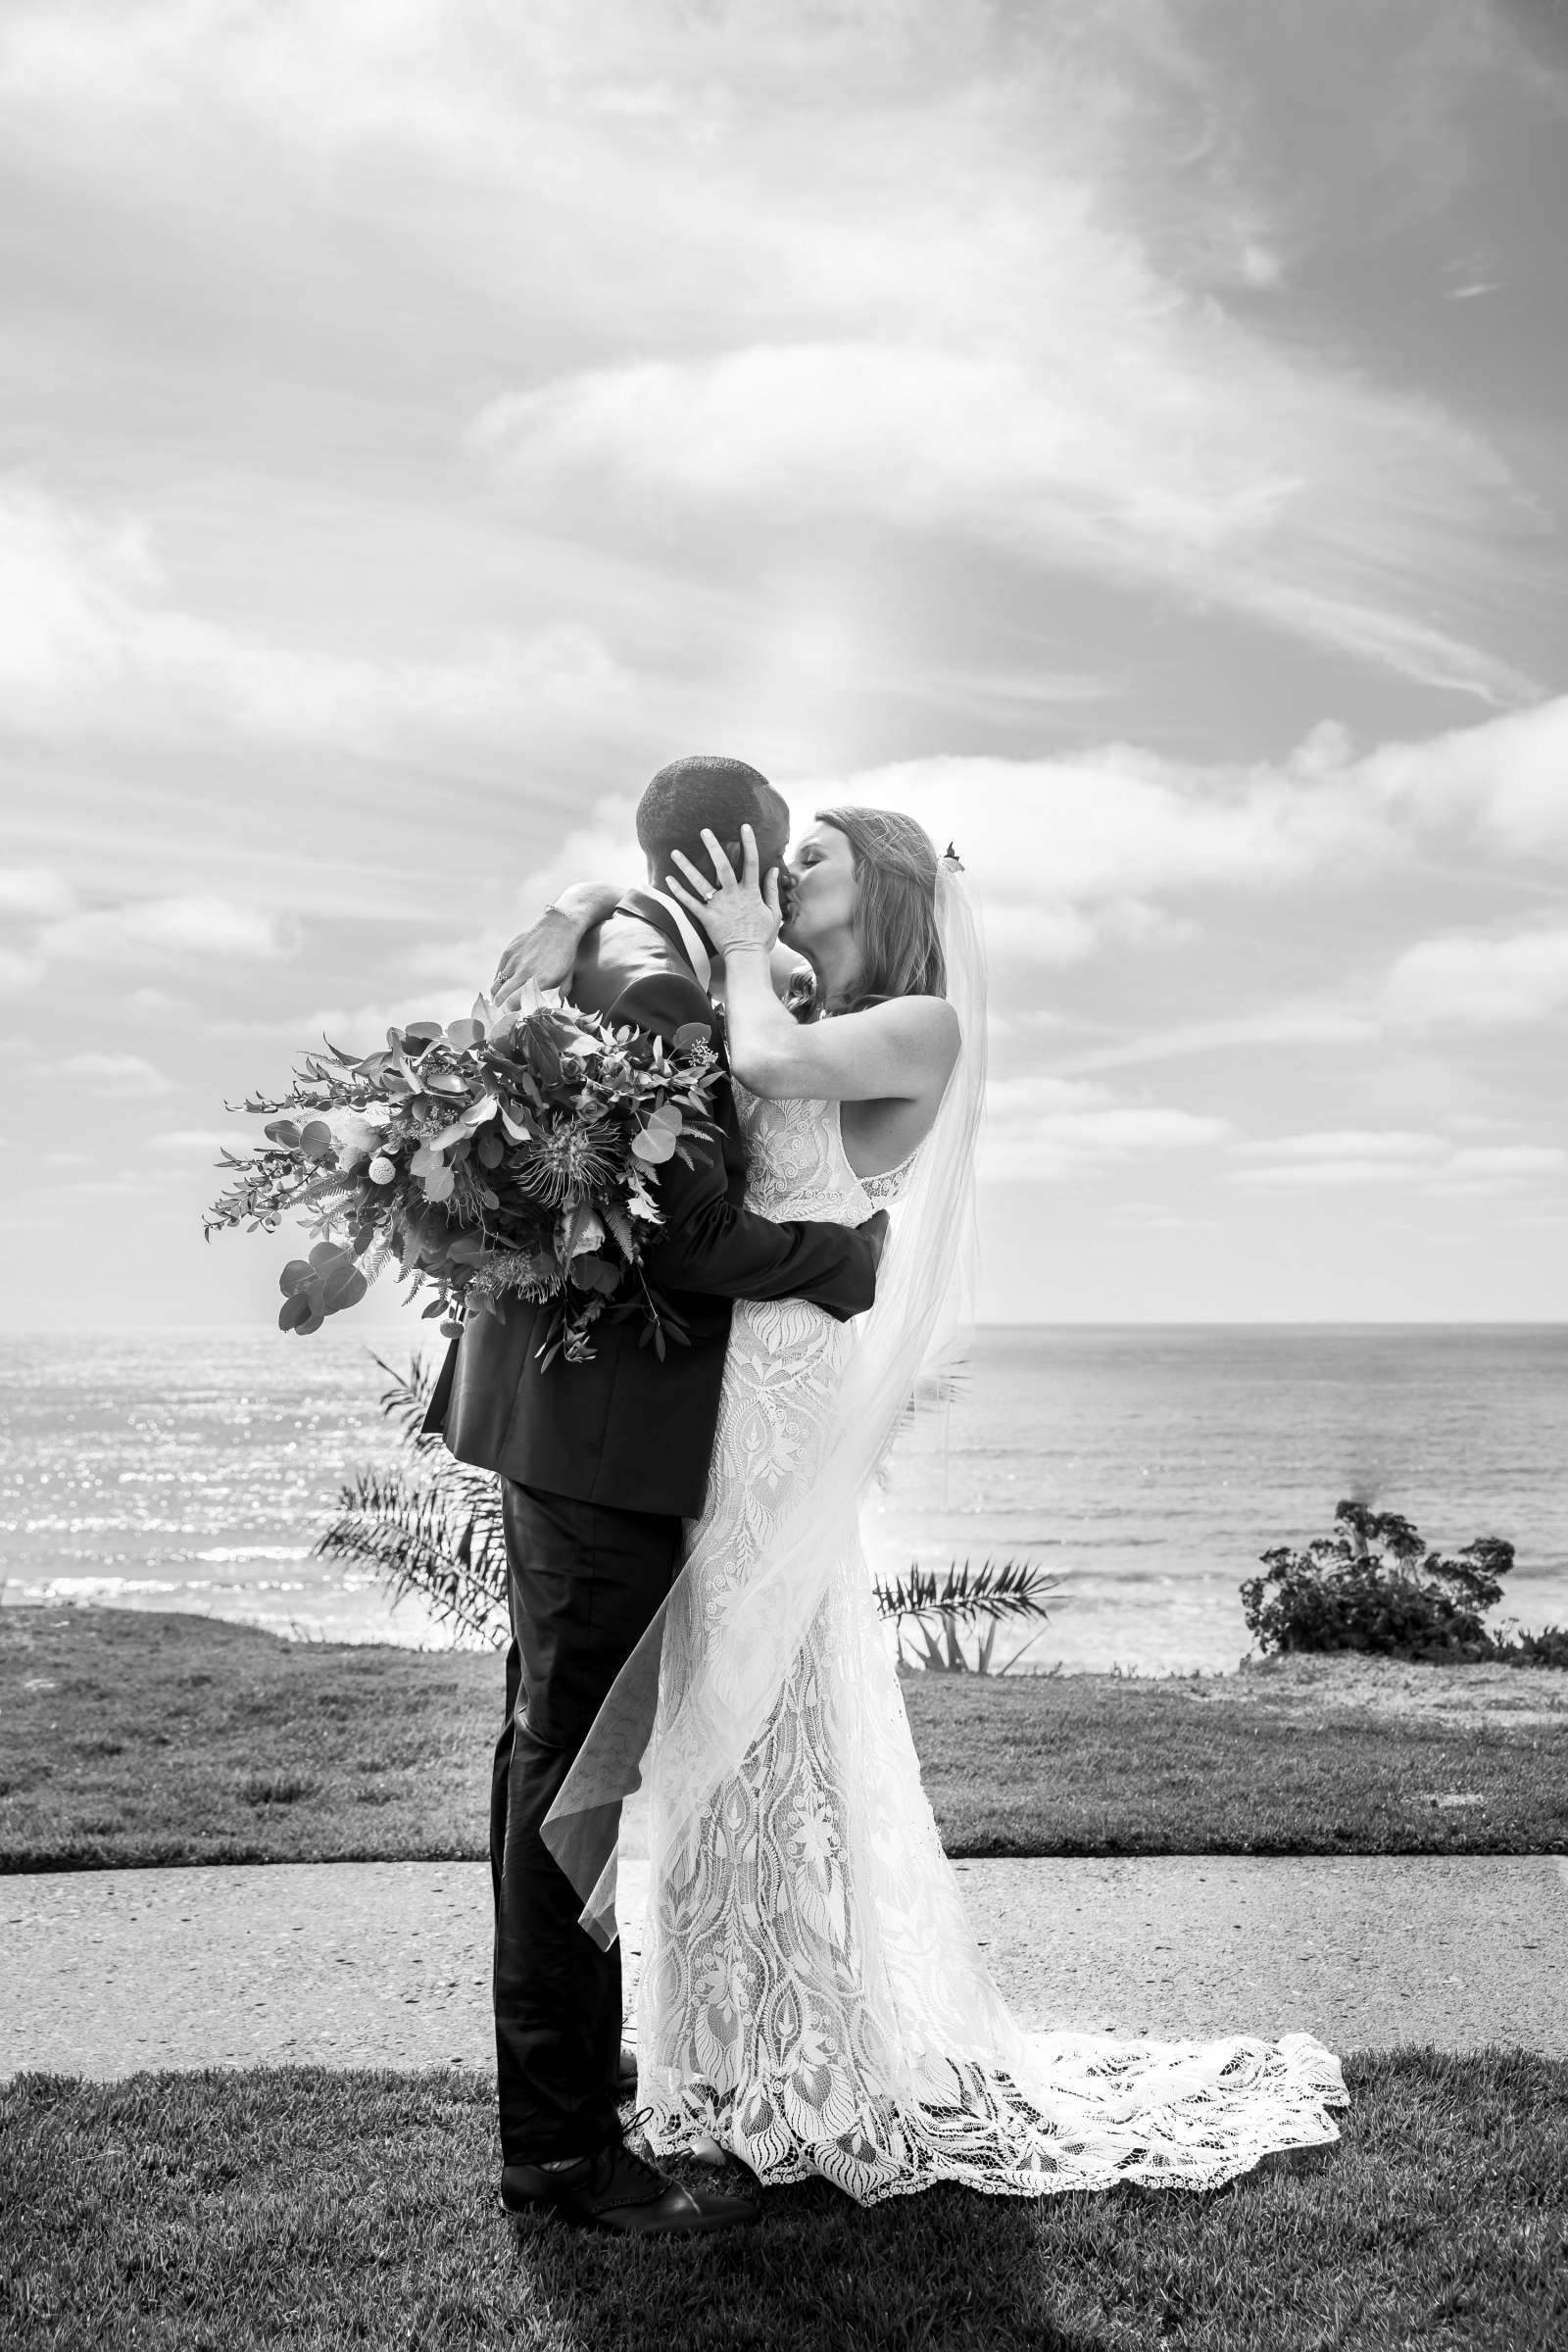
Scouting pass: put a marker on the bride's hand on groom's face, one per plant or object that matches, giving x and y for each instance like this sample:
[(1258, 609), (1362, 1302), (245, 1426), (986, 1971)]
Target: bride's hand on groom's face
[(737, 911)]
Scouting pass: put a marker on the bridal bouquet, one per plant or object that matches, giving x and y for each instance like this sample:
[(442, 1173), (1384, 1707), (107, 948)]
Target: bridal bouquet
[(509, 1153)]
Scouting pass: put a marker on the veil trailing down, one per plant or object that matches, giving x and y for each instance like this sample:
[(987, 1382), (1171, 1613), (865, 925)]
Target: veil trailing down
[(812, 1995)]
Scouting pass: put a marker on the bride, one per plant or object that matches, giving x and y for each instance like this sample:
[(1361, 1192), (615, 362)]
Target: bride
[(812, 2000)]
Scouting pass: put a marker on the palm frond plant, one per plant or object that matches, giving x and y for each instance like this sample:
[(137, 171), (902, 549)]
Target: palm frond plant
[(933, 1610), (432, 1526)]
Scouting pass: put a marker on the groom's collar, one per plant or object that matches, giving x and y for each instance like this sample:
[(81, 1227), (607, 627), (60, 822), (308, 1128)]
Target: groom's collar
[(669, 916)]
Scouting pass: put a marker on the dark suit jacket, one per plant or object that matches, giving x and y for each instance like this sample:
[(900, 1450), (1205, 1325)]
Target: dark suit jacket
[(627, 1429)]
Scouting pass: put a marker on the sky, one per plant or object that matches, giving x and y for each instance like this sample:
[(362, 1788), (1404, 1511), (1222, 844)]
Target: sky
[(1129, 438)]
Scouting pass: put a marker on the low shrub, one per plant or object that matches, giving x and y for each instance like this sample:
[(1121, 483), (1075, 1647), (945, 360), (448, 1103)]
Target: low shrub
[(1374, 1587)]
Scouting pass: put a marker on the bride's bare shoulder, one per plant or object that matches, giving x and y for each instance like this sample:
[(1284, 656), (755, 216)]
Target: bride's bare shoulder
[(926, 1025)]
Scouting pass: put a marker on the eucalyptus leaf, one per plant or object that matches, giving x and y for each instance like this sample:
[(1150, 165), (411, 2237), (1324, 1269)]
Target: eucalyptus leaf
[(343, 1288), (591, 1272), (294, 1277)]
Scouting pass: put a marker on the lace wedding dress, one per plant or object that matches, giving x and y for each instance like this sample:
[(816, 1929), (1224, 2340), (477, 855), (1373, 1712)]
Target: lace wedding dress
[(812, 1995)]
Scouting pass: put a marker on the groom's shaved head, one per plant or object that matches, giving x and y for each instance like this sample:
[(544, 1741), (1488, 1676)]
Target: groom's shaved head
[(723, 795)]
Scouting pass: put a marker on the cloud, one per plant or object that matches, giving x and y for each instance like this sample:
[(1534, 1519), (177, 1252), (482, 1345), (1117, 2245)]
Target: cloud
[(1077, 854), (1056, 1130), (1072, 855), (1474, 983), (200, 924), (124, 1074), (18, 972), (1336, 1159), (1501, 784), (36, 892), (1348, 1143), (1285, 1025), (199, 1142), (1257, 483), (1493, 1166), (93, 641), (1391, 1158)]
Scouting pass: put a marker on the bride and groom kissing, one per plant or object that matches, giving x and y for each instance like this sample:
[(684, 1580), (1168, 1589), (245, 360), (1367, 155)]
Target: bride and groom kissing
[(691, 1610)]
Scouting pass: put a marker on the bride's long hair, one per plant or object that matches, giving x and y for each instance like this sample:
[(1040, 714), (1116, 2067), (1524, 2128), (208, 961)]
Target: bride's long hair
[(897, 935)]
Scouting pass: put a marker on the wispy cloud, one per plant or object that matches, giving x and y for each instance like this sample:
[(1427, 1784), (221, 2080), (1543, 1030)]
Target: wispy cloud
[(126, 1074), (1396, 1159), (1219, 471), (1480, 983), (93, 639), (1056, 1130)]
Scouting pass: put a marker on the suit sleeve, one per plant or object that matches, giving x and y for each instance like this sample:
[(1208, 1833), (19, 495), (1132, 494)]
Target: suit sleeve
[(706, 1243)]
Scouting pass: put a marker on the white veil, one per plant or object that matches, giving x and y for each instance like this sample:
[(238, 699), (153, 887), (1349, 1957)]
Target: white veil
[(709, 1714)]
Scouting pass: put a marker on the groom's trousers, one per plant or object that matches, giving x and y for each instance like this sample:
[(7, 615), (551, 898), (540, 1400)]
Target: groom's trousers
[(584, 1583)]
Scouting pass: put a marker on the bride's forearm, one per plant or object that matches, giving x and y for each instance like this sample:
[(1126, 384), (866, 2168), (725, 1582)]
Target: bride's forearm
[(894, 1052), (762, 1039)]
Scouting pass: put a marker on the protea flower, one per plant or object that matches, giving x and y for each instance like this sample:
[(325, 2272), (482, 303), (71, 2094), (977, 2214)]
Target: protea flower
[(571, 1159)]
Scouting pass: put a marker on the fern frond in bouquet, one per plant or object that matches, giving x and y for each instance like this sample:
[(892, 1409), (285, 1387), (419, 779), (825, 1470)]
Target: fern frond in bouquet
[(508, 1155)]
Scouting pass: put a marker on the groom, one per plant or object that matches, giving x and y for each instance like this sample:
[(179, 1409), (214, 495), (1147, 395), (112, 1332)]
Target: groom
[(600, 1463)]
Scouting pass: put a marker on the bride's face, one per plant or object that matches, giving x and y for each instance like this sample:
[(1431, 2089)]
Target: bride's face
[(823, 867)]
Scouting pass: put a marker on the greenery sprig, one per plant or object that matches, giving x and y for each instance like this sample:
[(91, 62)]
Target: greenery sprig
[(512, 1153)]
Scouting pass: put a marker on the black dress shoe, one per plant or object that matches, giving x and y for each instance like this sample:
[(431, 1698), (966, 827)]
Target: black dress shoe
[(621, 2191), (626, 2074)]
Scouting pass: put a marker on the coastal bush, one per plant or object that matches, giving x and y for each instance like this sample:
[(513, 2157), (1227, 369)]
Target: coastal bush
[(1375, 1588), (431, 1526)]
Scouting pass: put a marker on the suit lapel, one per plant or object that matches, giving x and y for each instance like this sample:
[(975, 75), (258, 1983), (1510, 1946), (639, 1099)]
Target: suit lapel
[(647, 909)]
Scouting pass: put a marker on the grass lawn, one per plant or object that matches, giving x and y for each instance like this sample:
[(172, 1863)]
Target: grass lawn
[(322, 2209), (132, 1738), (1093, 1765)]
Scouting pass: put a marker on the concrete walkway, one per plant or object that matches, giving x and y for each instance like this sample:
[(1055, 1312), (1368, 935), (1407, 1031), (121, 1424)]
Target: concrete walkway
[(370, 1964)]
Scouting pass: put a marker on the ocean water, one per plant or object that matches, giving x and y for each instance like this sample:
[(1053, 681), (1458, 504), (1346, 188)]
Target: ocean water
[(1146, 1468)]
